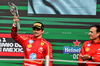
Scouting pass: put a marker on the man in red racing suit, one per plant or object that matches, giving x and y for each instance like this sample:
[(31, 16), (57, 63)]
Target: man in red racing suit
[(90, 51), (34, 47)]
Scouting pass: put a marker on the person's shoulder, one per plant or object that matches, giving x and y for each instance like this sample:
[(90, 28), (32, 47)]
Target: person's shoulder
[(25, 37), (87, 42), (45, 41)]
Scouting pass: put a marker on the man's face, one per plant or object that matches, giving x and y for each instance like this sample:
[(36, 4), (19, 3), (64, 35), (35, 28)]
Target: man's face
[(37, 32), (93, 33)]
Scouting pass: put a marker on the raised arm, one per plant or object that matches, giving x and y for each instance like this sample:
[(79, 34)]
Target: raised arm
[(18, 38)]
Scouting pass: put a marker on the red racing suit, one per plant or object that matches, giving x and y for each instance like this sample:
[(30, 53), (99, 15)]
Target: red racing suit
[(33, 48), (91, 49)]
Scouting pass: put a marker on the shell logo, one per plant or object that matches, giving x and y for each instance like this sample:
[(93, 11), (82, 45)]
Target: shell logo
[(29, 46), (87, 49)]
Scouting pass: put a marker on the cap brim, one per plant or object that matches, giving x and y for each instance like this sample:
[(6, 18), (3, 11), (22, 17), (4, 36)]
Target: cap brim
[(36, 27)]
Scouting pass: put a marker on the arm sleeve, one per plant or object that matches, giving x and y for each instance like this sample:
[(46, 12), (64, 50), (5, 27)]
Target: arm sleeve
[(82, 52), (17, 37), (49, 53)]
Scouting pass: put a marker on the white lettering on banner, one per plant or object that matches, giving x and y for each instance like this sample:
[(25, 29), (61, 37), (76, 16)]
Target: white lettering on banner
[(17, 45), (4, 40), (7, 49), (9, 46), (12, 50), (6, 45), (72, 50), (18, 50), (75, 56)]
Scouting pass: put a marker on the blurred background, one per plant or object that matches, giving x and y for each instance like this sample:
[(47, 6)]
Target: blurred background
[(67, 24)]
